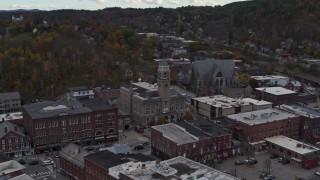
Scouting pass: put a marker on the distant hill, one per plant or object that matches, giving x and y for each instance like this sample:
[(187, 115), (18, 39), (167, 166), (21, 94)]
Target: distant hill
[(265, 22)]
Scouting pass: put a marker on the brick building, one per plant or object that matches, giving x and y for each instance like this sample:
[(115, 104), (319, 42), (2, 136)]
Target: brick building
[(276, 95), (310, 120), (175, 168), (72, 161), (97, 165), (257, 104), (255, 126), (107, 93), (300, 154), (218, 106), (51, 124), (10, 102), (194, 139), (14, 141)]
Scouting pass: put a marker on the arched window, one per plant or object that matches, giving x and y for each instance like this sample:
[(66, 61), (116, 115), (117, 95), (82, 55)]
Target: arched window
[(99, 133), (111, 131), (219, 74)]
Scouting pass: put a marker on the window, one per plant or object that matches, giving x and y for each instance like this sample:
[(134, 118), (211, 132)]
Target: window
[(16, 140), (36, 126), (22, 145), (3, 147), (9, 141), (10, 146), (112, 115), (63, 130), (98, 125), (63, 122), (99, 117), (27, 144), (3, 142)]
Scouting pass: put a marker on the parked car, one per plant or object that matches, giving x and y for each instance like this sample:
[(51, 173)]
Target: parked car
[(89, 148), (273, 156), (266, 176), (317, 173), (138, 147), (145, 143), (21, 161), (286, 161), (238, 162), (47, 162), (251, 161), (33, 163)]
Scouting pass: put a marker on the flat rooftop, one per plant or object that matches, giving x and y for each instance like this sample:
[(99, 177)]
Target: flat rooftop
[(276, 90), (221, 101), (147, 86), (173, 169), (300, 110), (203, 127), (176, 133), (268, 77), (48, 109), (11, 116), (9, 95), (261, 116), (10, 167), (95, 104), (256, 102), (291, 144), (74, 154)]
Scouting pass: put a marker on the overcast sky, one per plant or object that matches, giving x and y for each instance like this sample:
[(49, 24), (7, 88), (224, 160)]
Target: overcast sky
[(101, 4)]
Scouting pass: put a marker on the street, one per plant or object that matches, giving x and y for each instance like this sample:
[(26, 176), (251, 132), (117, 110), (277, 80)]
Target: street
[(280, 171)]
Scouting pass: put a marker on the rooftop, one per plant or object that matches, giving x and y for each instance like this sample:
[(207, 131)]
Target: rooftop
[(10, 127), (256, 102), (291, 144), (95, 104), (74, 154), (10, 166), (172, 169), (300, 110), (11, 116), (176, 133), (120, 149), (221, 101), (147, 86), (9, 95), (276, 90), (261, 116), (268, 77), (203, 127), (22, 177), (107, 159), (47, 109)]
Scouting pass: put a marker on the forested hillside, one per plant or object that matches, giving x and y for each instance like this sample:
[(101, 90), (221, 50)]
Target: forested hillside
[(57, 49)]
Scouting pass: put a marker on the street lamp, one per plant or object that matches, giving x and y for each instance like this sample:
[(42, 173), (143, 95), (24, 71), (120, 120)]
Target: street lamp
[(305, 127)]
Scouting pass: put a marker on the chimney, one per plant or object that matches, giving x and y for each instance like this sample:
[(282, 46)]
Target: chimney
[(5, 130), (15, 128)]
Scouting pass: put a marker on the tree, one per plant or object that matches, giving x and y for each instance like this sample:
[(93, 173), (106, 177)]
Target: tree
[(187, 116), (162, 120), (243, 78)]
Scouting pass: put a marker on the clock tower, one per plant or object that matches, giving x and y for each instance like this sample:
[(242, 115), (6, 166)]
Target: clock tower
[(164, 81)]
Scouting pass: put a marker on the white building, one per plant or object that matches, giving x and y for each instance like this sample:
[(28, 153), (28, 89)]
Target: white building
[(257, 104), (269, 80)]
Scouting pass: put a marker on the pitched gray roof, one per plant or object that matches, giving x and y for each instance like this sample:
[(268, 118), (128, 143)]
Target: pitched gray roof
[(175, 133), (120, 149), (10, 127), (205, 69), (74, 154), (9, 95), (47, 109)]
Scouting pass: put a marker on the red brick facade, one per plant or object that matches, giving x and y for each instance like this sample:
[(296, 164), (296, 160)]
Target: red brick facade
[(97, 126), (94, 171), (277, 99), (71, 170), (165, 148), (107, 94)]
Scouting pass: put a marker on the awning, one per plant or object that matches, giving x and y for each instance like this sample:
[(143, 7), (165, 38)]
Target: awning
[(54, 145), (101, 137), (238, 128), (296, 159), (43, 147)]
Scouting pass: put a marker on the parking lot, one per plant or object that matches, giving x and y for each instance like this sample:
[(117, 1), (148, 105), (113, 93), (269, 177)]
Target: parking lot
[(252, 172)]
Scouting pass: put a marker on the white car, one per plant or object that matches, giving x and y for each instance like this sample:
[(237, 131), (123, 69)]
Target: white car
[(47, 162)]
